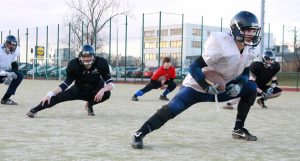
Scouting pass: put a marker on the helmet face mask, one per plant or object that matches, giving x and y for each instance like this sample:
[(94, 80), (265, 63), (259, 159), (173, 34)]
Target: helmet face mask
[(245, 22), (10, 44), (86, 55), (268, 58)]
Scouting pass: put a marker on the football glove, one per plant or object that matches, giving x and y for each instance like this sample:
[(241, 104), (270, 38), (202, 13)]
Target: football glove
[(233, 90), (213, 89)]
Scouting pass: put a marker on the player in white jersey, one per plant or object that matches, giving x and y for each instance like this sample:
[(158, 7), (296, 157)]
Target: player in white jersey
[(229, 54), (9, 74)]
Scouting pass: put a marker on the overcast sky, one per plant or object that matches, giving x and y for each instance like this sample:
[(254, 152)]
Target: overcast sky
[(31, 13)]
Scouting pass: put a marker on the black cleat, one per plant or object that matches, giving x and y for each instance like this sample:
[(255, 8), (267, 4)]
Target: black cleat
[(261, 103), (89, 110), (243, 134), (165, 98), (31, 114), (137, 141), (8, 102), (134, 98)]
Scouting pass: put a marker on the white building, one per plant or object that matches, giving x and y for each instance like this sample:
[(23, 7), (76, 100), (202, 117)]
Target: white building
[(171, 40)]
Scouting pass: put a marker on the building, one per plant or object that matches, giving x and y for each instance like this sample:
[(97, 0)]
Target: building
[(171, 40)]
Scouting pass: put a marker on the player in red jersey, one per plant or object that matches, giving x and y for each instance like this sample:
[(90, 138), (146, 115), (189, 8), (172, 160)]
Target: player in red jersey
[(162, 78)]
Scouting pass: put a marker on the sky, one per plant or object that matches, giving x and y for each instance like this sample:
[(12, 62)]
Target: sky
[(31, 13), (22, 14)]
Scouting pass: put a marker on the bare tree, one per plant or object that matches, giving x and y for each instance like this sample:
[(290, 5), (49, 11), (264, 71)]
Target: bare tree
[(89, 17)]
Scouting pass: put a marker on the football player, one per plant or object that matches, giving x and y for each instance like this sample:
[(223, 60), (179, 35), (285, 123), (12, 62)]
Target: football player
[(162, 78), (229, 54), (263, 72), (9, 74), (92, 83)]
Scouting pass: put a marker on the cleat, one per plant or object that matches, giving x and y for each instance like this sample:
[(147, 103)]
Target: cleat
[(137, 141), (8, 102), (134, 98), (228, 106), (165, 98), (261, 103), (243, 134), (89, 110), (31, 114)]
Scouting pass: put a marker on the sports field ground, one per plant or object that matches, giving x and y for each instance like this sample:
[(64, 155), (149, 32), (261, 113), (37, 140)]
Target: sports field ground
[(66, 132)]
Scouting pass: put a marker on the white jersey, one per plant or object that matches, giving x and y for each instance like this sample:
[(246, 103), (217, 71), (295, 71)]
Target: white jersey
[(7, 59), (223, 56)]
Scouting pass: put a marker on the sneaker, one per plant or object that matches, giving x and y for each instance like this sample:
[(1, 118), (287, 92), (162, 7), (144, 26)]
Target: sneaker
[(243, 134), (228, 106), (134, 98), (89, 110), (165, 98), (8, 102), (31, 114), (137, 141), (261, 103)]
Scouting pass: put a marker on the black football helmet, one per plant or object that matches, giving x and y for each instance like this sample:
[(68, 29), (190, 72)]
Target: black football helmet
[(268, 55), (87, 51), (10, 44), (242, 21)]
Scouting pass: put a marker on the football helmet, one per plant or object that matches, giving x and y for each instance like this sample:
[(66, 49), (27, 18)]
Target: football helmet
[(242, 21), (10, 44), (268, 58), (87, 55)]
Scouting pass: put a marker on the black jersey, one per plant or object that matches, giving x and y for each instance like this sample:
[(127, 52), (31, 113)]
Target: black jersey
[(88, 79), (263, 74)]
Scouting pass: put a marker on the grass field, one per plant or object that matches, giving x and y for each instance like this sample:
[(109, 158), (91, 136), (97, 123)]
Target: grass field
[(66, 132)]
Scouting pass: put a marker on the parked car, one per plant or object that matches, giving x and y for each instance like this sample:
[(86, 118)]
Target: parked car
[(149, 71), (55, 73), (128, 72), (34, 71), (185, 72), (138, 73)]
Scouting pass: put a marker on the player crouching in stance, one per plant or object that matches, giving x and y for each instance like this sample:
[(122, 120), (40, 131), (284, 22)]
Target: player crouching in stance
[(162, 78), (9, 74), (263, 73), (92, 82), (228, 54)]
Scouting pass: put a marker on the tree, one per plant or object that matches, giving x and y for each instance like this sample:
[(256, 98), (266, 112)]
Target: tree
[(88, 18)]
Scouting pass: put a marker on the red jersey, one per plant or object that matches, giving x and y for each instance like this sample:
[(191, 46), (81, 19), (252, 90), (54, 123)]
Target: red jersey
[(168, 73)]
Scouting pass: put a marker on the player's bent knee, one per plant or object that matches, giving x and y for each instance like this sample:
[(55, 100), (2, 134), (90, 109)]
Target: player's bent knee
[(164, 113)]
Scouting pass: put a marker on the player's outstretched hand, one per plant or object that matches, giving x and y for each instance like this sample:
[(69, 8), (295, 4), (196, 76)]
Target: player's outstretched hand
[(233, 90), (99, 95), (213, 89), (48, 97)]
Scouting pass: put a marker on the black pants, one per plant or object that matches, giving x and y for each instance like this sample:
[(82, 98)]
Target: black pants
[(73, 93), (150, 86), (12, 88)]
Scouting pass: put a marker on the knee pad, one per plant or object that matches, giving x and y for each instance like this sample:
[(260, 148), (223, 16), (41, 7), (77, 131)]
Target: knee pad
[(160, 118), (164, 113)]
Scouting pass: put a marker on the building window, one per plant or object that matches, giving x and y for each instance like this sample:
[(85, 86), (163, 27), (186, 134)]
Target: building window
[(196, 32), (196, 44), (150, 56), (163, 32), (149, 33), (163, 44), (175, 44), (149, 45), (175, 31)]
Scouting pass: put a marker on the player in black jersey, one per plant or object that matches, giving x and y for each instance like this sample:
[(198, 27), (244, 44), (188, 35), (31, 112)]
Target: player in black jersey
[(262, 73), (92, 83)]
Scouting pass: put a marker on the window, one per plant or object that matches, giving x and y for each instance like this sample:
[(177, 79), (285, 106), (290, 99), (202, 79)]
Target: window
[(150, 56), (196, 44), (175, 44), (175, 31), (196, 32), (149, 45), (163, 32), (163, 44), (149, 33)]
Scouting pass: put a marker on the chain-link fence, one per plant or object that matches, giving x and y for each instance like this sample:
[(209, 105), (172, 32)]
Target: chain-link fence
[(135, 46)]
